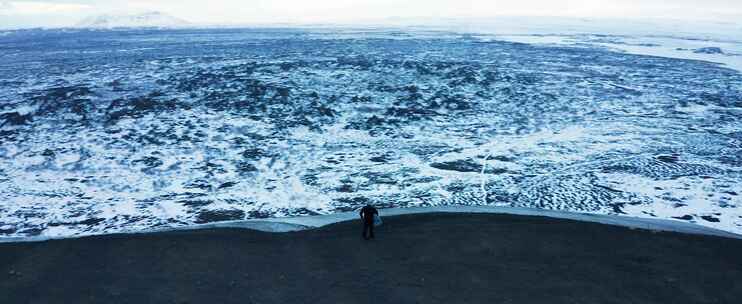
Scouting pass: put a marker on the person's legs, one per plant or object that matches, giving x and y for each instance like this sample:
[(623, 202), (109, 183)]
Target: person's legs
[(371, 230), (365, 231)]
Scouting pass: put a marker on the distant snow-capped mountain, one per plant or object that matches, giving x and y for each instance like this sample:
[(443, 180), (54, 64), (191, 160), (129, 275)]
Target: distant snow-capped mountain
[(148, 19)]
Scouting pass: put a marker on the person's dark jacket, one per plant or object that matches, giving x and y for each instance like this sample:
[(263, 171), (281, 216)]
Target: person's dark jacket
[(367, 213)]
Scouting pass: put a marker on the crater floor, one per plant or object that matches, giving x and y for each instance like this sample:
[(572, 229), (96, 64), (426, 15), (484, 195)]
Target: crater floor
[(108, 131)]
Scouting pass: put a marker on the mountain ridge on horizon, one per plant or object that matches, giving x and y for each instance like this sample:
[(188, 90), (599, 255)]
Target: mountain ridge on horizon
[(132, 20)]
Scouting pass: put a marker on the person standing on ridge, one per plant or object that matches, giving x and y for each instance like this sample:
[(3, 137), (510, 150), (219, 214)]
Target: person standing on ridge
[(368, 213)]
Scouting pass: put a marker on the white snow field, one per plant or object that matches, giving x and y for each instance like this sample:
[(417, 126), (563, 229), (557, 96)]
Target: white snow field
[(123, 130)]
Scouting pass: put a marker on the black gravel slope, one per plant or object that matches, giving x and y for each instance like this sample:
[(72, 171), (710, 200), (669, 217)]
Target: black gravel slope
[(427, 258)]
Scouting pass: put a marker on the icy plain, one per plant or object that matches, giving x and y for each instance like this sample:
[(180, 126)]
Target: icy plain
[(124, 130)]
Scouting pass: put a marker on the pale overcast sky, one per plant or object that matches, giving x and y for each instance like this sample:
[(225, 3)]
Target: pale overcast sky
[(16, 13)]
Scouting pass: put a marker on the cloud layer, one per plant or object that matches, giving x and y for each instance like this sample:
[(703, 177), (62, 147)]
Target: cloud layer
[(41, 8), (262, 11)]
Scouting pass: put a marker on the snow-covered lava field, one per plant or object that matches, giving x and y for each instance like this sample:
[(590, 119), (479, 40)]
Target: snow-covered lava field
[(110, 131)]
